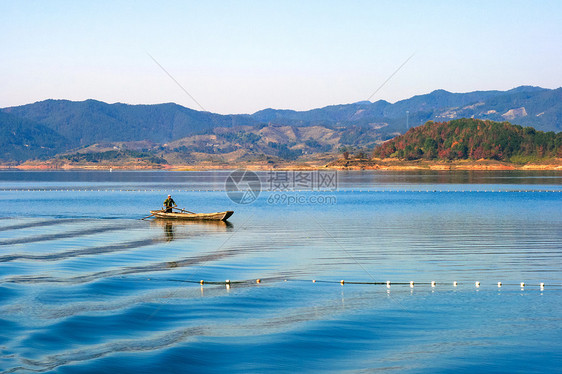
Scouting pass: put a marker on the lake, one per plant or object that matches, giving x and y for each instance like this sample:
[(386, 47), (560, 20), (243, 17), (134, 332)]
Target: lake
[(88, 287)]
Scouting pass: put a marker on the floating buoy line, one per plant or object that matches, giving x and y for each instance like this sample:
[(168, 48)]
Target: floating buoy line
[(388, 284), (287, 192)]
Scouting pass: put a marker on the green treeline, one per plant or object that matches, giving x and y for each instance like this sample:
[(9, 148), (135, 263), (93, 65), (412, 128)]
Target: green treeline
[(474, 139), (114, 156)]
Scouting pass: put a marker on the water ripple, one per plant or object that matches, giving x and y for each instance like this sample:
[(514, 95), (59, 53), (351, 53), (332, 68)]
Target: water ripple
[(67, 235), (43, 223), (154, 267)]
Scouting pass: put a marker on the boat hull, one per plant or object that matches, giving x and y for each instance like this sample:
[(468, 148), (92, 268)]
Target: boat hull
[(218, 216)]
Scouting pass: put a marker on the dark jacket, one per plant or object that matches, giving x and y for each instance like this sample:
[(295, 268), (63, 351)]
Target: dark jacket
[(169, 202)]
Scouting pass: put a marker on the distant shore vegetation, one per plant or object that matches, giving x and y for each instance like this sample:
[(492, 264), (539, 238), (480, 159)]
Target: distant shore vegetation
[(116, 155)]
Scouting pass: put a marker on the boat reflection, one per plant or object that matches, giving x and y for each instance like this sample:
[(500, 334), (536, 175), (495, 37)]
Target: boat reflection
[(171, 227), (169, 231)]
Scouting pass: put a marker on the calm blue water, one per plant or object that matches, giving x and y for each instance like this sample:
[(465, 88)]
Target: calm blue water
[(87, 287)]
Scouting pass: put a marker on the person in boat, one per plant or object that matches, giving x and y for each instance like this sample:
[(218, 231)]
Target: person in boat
[(169, 203)]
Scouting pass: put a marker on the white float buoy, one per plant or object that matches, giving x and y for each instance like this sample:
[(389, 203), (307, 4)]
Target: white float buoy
[(541, 285), (201, 281), (432, 283), (455, 283), (499, 284), (522, 284), (258, 280), (412, 284), (477, 284), (227, 281), (342, 281), (314, 281), (388, 284)]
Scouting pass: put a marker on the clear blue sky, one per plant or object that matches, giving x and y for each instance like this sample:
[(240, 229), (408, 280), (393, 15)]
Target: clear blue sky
[(243, 56)]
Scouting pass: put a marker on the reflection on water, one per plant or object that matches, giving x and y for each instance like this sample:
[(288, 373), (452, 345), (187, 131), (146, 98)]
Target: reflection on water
[(170, 225), (215, 180), (169, 231), (211, 226), (86, 286)]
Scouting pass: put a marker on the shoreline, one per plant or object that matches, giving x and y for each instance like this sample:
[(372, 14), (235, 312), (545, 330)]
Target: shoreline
[(479, 165), (351, 164)]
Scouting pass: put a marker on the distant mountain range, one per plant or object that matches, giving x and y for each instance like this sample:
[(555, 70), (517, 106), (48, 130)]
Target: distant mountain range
[(46, 128), (525, 105)]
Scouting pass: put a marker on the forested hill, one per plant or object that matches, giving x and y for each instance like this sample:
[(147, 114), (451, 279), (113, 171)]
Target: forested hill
[(87, 122), (21, 139), (472, 139)]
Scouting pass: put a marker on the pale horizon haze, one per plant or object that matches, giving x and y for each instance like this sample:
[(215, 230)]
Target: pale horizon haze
[(244, 56)]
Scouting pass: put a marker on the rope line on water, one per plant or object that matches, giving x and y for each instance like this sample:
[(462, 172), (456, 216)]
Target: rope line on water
[(289, 191), (388, 284)]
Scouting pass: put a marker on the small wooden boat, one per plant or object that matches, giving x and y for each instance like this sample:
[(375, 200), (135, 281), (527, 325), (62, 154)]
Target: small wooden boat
[(218, 216)]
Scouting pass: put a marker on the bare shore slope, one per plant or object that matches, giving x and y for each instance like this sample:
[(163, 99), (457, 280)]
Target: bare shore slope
[(324, 162)]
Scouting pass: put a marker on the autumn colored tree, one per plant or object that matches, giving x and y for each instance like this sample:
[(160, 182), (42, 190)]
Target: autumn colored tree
[(469, 138)]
